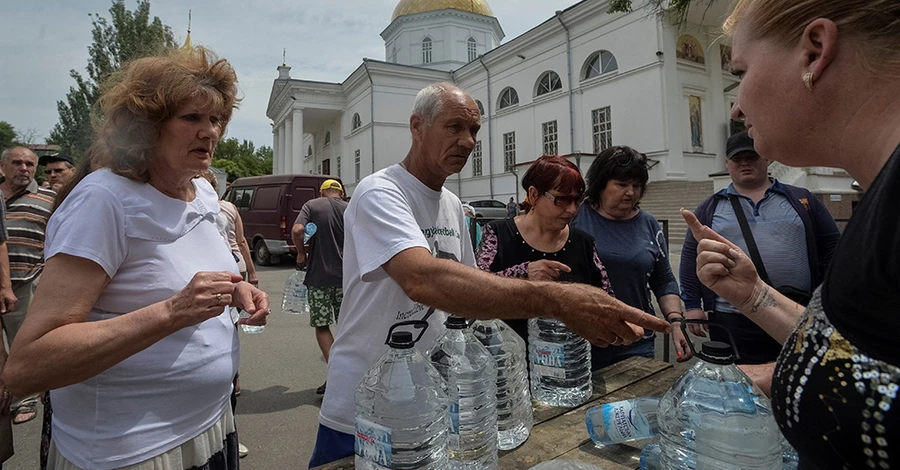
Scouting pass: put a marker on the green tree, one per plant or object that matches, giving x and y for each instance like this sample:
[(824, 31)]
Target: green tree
[(677, 9), (7, 136), (126, 36), (241, 158)]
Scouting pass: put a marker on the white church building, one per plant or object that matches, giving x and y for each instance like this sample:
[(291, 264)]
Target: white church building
[(573, 85)]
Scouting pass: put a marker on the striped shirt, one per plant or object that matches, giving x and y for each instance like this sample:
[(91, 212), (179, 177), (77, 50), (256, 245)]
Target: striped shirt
[(26, 220)]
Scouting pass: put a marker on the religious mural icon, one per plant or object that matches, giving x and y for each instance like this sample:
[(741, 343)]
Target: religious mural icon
[(725, 52), (688, 48), (696, 123)]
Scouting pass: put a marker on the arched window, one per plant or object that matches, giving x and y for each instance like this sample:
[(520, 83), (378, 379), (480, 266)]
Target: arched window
[(309, 151), (357, 122), (599, 63), (548, 82), (472, 47), (480, 107), (508, 97), (426, 50), (327, 137)]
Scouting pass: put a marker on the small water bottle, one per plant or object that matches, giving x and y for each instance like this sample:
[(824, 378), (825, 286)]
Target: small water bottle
[(623, 421), (650, 456), (308, 231), (402, 421), (295, 300), (471, 376), (715, 417), (251, 329), (560, 364), (514, 411)]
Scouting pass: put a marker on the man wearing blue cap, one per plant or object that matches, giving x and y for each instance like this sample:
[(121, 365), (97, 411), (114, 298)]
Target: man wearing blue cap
[(324, 263)]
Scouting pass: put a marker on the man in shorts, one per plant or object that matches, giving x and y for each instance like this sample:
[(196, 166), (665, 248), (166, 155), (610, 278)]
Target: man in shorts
[(324, 262)]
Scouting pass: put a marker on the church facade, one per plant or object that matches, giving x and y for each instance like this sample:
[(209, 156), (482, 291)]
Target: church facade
[(575, 84)]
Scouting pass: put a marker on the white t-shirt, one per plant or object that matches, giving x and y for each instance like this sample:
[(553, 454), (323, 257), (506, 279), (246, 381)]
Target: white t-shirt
[(151, 246), (391, 211)]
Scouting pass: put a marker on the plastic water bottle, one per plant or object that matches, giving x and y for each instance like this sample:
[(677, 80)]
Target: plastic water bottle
[(650, 456), (560, 364), (714, 416), (308, 231), (401, 409), (514, 412), (295, 294), (623, 421), (251, 329), (471, 376)]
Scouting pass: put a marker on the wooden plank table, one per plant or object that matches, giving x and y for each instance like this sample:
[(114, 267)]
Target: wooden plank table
[(560, 434)]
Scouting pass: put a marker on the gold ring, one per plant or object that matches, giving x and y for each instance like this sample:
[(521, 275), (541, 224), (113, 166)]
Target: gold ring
[(616, 341), (218, 298)]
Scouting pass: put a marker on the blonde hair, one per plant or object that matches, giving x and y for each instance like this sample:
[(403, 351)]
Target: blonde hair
[(876, 23)]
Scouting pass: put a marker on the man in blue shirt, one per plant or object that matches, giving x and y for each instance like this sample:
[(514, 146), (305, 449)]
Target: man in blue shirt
[(794, 232)]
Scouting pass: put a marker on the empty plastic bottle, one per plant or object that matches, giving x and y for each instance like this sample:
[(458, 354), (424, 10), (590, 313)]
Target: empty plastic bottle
[(714, 416), (401, 409), (514, 412), (650, 456), (471, 376), (295, 294), (309, 230), (560, 363), (623, 421), (250, 329)]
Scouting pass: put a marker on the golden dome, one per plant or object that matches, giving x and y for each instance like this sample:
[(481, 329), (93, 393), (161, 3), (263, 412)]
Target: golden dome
[(411, 7)]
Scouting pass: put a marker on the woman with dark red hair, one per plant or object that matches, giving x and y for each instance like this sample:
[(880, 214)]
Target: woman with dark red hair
[(540, 245)]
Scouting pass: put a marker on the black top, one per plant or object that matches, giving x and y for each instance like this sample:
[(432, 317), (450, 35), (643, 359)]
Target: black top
[(503, 251), (325, 260)]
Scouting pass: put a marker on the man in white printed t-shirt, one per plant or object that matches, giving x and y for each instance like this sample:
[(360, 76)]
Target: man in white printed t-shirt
[(407, 252)]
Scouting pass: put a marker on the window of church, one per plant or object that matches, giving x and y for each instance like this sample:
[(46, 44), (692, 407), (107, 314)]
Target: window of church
[(309, 151), (426, 50), (356, 163), (602, 129), (472, 47), (508, 97), (327, 137), (548, 82), (480, 107), (476, 159), (357, 122), (599, 63), (338, 166), (509, 151), (551, 146)]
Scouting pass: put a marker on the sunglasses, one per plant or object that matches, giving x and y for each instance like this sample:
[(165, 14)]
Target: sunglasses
[(565, 201), (626, 157)]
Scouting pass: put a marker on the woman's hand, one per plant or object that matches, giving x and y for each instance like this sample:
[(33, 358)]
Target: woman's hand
[(546, 270), (682, 349), (253, 301), (697, 314), (721, 265), (203, 298)]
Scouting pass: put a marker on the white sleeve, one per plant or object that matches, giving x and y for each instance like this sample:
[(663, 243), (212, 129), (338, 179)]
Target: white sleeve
[(89, 224), (383, 226)]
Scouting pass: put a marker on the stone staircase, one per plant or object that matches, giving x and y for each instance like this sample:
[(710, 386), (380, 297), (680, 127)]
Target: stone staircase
[(664, 199)]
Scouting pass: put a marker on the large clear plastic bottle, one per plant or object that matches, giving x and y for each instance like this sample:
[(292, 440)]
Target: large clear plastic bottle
[(650, 456), (401, 409), (560, 364), (714, 417), (514, 411), (295, 294), (623, 421), (471, 376)]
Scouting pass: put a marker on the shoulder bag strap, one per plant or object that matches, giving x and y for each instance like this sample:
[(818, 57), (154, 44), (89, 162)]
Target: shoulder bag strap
[(748, 237)]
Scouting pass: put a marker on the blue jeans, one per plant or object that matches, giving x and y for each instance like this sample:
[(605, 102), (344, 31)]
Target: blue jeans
[(331, 445), (602, 357)]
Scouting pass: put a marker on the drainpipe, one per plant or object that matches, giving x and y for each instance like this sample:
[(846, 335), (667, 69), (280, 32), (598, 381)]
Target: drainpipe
[(371, 108), (571, 90), (490, 101)]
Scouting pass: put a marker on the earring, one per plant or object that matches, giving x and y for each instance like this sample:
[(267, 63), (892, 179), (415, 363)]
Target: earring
[(808, 81)]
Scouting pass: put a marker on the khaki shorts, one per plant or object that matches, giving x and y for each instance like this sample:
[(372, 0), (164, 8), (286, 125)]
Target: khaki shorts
[(324, 305)]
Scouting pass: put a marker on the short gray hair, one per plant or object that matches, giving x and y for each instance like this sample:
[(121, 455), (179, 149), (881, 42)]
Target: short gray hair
[(429, 101), (5, 155)]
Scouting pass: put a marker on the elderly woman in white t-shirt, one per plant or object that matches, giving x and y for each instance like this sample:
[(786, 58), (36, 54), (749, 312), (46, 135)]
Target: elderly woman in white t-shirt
[(132, 327)]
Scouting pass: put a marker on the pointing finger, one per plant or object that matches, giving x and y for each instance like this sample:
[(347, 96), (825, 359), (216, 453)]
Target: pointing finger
[(702, 232), (641, 318)]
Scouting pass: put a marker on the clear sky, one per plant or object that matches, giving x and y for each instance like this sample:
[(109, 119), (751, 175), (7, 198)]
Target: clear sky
[(42, 40)]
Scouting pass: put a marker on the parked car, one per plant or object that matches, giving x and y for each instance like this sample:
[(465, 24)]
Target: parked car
[(269, 206), (489, 209)]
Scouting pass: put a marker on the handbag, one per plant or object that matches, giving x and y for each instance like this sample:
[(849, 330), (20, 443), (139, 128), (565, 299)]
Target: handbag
[(800, 296)]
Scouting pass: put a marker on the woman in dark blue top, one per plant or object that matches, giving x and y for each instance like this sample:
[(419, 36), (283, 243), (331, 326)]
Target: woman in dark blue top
[(631, 245)]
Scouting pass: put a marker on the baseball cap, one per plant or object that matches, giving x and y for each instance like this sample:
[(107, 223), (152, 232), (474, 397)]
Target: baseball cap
[(740, 142), (331, 184), (56, 157)]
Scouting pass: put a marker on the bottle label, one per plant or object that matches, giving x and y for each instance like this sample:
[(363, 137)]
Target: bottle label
[(625, 423), (548, 359), (373, 442), (454, 425)]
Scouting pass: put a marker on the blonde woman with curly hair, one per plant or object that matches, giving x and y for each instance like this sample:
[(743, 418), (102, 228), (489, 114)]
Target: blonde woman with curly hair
[(132, 327), (820, 86)]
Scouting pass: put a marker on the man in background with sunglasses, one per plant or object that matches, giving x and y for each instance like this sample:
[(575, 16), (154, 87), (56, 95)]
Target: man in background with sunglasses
[(59, 169), (793, 232)]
